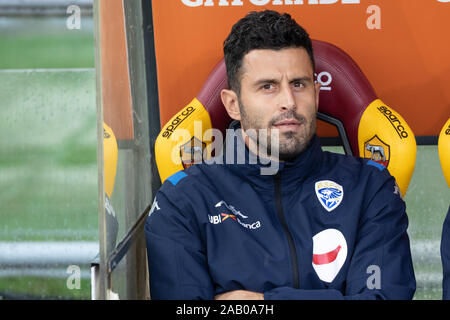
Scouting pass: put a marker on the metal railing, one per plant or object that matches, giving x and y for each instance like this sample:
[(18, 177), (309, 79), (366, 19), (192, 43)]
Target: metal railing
[(45, 259)]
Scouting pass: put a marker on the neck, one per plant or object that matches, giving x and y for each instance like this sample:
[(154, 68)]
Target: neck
[(258, 149)]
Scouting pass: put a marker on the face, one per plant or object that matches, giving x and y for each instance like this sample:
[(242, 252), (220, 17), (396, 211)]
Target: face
[(277, 93)]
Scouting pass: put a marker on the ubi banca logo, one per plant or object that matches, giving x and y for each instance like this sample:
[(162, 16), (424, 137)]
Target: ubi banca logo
[(230, 213)]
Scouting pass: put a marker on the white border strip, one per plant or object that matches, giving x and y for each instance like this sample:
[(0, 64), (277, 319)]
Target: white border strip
[(47, 70), (23, 254)]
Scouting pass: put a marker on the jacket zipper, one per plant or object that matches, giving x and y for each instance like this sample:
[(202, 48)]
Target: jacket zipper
[(282, 218)]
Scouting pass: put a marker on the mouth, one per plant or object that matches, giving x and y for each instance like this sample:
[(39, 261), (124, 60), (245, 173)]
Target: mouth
[(287, 125)]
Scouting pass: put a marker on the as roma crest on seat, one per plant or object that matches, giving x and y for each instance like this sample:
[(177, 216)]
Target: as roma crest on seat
[(192, 152), (377, 150)]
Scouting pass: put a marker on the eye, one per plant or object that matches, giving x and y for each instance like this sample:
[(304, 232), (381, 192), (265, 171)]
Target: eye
[(298, 84), (268, 86)]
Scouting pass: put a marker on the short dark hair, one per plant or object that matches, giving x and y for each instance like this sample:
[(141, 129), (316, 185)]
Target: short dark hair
[(261, 30)]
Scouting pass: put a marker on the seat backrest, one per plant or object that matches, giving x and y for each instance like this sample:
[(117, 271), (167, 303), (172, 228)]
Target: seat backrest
[(367, 127), (110, 153), (444, 150)]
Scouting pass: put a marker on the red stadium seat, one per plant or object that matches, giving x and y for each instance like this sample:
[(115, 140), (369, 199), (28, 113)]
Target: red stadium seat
[(367, 127)]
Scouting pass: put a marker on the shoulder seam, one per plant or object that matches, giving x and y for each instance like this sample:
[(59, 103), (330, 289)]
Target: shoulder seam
[(177, 177), (375, 164)]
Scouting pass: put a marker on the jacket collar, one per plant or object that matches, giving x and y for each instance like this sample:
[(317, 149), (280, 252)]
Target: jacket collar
[(260, 171)]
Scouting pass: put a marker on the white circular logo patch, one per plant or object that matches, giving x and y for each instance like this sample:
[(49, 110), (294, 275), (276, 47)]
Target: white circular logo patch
[(329, 254)]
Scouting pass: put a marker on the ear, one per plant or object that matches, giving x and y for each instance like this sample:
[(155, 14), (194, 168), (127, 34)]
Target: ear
[(231, 102), (317, 86)]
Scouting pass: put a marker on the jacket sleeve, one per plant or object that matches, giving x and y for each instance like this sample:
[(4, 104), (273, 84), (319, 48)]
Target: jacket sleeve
[(381, 264), (445, 257), (176, 255)]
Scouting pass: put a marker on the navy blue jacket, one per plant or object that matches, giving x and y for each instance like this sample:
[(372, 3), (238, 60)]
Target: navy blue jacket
[(325, 226), (445, 257)]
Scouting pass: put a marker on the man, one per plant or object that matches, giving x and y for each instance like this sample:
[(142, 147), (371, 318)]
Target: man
[(324, 226)]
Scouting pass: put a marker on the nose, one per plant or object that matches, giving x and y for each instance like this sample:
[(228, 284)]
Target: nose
[(287, 99)]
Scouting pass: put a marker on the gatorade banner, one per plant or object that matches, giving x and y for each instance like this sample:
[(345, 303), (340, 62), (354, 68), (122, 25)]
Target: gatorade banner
[(401, 46)]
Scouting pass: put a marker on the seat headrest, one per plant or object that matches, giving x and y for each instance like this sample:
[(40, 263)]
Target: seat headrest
[(346, 90)]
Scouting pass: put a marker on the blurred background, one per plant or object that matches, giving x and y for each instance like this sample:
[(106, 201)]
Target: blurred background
[(48, 143), (48, 159)]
